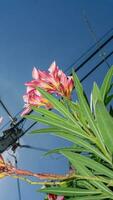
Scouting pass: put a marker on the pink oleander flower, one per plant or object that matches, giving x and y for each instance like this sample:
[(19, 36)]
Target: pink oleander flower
[(55, 197), (34, 98), (53, 81)]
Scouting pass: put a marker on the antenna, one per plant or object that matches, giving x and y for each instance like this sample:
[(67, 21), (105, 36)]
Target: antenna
[(94, 36)]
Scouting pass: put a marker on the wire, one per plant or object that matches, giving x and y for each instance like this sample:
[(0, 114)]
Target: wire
[(89, 50), (34, 148), (9, 114), (39, 149), (18, 181), (94, 35), (18, 187), (91, 71)]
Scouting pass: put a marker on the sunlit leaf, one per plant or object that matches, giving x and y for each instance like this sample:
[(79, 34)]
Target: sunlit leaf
[(57, 105), (69, 191), (86, 112), (105, 124), (106, 83), (76, 140), (91, 163), (81, 166)]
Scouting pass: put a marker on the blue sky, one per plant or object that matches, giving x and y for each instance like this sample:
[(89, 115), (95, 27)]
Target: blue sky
[(34, 33)]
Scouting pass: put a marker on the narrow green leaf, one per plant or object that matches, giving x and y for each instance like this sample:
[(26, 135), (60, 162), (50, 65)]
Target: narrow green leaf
[(83, 103), (52, 115), (105, 125), (108, 99), (86, 110), (106, 83), (96, 95), (80, 166), (92, 197), (69, 191), (57, 105), (76, 140), (72, 148), (90, 163), (62, 124)]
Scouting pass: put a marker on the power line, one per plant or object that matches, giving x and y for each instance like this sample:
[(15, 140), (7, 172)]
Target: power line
[(91, 71), (94, 35), (33, 148), (18, 181), (100, 46)]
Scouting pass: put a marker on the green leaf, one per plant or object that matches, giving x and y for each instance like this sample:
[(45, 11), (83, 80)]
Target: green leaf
[(96, 95), (90, 163), (86, 111), (57, 104), (106, 83), (83, 103), (72, 148), (76, 140), (80, 166), (92, 197), (61, 124), (108, 99), (105, 125), (69, 191), (75, 109), (52, 115)]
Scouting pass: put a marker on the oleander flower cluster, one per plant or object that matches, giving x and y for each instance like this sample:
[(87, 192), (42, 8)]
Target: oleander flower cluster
[(53, 81)]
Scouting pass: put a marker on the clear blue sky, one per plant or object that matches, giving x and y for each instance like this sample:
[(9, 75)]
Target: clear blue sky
[(34, 33)]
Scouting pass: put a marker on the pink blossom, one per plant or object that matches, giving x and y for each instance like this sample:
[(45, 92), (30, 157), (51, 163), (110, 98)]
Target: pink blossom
[(53, 81), (55, 197), (52, 197), (60, 198), (34, 98)]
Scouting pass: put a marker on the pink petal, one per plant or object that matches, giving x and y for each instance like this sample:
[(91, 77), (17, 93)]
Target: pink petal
[(35, 73), (25, 98), (52, 67), (25, 111), (43, 75), (38, 93), (29, 89), (60, 198), (70, 83), (33, 83), (63, 79)]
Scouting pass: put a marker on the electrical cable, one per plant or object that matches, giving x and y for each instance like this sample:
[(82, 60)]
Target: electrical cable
[(18, 181), (92, 70), (94, 35), (33, 148), (89, 50)]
